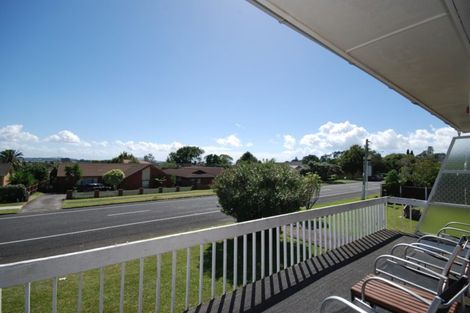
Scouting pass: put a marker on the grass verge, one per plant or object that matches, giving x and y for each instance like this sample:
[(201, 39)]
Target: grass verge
[(15, 207), (80, 203)]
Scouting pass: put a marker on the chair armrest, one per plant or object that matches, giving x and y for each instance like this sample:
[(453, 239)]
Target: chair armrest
[(457, 223), (440, 239), (342, 301), (445, 229), (419, 267)]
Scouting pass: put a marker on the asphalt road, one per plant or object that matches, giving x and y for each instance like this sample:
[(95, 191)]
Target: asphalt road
[(37, 235)]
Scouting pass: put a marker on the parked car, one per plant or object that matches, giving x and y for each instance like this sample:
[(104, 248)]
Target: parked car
[(92, 187)]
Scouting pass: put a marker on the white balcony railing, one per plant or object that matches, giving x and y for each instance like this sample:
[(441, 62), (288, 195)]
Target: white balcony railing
[(229, 256)]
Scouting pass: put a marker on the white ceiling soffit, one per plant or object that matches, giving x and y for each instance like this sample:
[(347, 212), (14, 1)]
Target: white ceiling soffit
[(420, 48)]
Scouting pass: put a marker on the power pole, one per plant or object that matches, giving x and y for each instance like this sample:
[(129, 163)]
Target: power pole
[(365, 169)]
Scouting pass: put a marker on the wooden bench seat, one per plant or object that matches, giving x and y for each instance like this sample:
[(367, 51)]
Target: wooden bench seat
[(393, 299)]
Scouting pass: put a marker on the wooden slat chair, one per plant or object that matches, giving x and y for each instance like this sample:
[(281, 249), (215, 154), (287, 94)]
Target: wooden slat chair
[(380, 292), (418, 275), (434, 257)]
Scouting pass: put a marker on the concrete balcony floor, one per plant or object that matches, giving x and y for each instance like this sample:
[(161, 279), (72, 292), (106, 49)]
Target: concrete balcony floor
[(302, 288)]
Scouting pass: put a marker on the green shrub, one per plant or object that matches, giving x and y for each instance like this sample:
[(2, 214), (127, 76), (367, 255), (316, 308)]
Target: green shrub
[(22, 177), (254, 190), (13, 193), (114, 177)]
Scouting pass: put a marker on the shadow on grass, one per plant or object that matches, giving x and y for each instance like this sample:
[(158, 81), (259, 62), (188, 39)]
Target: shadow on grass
[(290, 254)]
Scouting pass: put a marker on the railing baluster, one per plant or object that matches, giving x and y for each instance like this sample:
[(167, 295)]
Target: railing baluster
[(335, 231), (347, 219), (55, 282), (214, 251), (235, 262), (188, 277), (330, 233), (158, 283), (101, 300), (321, 235), (263, 247), (343, 228), (27, 298), (141, 285), (315, 242), (325, 237), (298, 241), (291, 244), (278, 250), (122, 286), (270, 250), (304, 246), (244, 260), (284, 244), (385, 211), (201, 271), (79, 293), (173, 281), (253, 256), (309, 225), (224, 268)]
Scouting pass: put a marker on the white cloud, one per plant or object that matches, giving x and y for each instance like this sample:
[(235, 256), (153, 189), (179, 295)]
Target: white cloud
[(65, 136), (340, 136), (249, 144), (15, 133), (231, 140), (289, 142)]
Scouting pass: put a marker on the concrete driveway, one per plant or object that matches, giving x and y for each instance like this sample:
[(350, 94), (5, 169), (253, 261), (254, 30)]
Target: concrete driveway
[(44, 203)]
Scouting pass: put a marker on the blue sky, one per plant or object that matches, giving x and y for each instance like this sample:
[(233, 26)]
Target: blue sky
[(93, 78)]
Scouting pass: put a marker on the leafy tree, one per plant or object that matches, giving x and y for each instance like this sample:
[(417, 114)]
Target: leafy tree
[(310, 158), (222, 160), (225, 160), (406, 170), (323, 169), (22, 177), (247, 157), (331, 158), (186, 155), (393, 161), (351, 160), (40, 171), (73, 173), (13, 157), (113, 177), (377, 162), (254, 190), (212, 160), (312, 185), (125, 157), (392, 182), (425, 172), (149, 158)]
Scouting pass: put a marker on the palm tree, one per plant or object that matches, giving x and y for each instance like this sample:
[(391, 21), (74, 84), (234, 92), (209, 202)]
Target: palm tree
[(13, 157)]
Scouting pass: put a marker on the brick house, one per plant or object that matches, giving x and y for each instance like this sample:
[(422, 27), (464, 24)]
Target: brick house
[(136, 175), (5, 173), (199, 177)]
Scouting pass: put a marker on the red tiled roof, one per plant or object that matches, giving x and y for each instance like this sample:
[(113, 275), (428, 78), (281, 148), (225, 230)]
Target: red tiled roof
[(99, 169), (194, 171)]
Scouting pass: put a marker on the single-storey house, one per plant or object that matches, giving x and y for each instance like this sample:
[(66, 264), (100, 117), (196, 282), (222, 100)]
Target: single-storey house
[(136, 175), (5, 173), (199, 177)]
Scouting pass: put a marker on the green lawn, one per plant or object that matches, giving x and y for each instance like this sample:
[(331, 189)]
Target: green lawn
[(79, 203)]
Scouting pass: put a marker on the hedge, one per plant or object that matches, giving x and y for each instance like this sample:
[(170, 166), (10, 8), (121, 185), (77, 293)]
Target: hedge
[(13, 193)]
